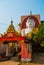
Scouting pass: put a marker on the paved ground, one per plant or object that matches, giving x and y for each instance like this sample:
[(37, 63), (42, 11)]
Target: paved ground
[(17, 63), (38, 59), (9, 63)]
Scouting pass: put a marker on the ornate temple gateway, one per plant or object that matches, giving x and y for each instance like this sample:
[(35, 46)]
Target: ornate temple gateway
[(10, 40), (13, 40)]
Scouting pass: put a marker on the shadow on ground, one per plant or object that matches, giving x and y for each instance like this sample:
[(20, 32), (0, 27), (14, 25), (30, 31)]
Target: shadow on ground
[(38, 57)]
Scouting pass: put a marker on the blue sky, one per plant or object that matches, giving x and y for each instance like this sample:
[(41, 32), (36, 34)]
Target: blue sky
[(17, 8)]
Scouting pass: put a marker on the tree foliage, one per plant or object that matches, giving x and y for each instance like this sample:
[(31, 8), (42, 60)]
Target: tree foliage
[(39, 37)]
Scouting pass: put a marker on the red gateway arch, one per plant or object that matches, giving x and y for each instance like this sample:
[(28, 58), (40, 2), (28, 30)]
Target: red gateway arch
[(14, 37)]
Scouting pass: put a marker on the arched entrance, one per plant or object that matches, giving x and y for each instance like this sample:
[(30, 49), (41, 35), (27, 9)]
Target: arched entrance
[(12, 48)]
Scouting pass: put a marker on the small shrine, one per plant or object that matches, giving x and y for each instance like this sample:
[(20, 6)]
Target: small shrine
[(10, 41)]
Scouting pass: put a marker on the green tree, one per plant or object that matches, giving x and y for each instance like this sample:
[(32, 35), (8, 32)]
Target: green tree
[(39, 37)]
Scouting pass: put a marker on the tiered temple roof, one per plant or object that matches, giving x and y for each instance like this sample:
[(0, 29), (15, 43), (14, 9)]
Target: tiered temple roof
[(10, 31), (11, 28)]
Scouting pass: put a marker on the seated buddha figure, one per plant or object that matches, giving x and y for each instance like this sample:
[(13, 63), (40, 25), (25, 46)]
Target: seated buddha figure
[(30, 24)]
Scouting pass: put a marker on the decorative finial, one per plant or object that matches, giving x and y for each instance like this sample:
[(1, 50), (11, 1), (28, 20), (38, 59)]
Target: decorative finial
[(19, 24), (11, 21), (30, 12)]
